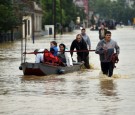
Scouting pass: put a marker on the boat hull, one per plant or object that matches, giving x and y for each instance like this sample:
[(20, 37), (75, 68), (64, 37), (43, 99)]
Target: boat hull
[(41, 69)]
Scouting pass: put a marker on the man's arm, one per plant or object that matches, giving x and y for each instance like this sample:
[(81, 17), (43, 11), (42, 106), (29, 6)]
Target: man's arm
[(99, 49), (117, 48), (99, 33), (89, 42)]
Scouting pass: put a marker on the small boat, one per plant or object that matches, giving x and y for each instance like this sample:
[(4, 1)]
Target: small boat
[(47, 68), (42, 69)]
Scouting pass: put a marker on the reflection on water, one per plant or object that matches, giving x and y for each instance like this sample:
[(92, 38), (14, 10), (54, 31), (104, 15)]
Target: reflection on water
[(41, 78), (110, 98), (80, 88), (47, 83), (108, 87), (86, 92)]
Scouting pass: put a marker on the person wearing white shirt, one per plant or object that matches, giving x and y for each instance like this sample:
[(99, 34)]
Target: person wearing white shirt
[(39, 55), (65, 57)]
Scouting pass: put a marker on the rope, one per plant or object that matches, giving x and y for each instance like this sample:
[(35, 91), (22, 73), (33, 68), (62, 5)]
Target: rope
[(64, 51)]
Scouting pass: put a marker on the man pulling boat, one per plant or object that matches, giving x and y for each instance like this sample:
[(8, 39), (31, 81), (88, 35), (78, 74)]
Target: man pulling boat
[(79, 44)]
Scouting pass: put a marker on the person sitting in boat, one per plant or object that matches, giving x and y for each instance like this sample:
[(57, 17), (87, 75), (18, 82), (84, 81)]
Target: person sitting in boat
[(49, 58), (53, 48), (65, 57), (39, 56)]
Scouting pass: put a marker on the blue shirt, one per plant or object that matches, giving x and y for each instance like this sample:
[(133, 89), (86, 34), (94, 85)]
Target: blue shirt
[(54, 50)]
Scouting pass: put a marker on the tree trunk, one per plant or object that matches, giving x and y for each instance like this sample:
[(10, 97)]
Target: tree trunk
[(12, 35)]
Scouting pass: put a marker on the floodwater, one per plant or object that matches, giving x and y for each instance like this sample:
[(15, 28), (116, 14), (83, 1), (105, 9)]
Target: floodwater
[(86, 92)]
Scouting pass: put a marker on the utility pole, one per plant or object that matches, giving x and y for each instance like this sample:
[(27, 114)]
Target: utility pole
[(54, 17), (33, 28), (61, 17)]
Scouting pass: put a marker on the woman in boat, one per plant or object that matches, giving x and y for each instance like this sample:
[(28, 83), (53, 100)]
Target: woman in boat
[(64, 56), (53, 48)]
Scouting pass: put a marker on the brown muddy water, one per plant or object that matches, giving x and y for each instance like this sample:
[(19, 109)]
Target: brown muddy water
[(85, 92)]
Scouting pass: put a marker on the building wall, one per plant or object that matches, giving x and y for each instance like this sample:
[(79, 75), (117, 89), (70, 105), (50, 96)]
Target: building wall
[(32, 22), (27, 27), (37, 23), (37, 20)]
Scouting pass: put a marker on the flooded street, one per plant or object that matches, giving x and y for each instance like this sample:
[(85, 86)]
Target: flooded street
[(85, 92)]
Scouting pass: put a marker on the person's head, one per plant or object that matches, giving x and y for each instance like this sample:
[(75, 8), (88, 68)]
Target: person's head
[(53, 43), (102, 26), (36, 51), (62, 47), (83, 30), (107, 36), (78, 37)]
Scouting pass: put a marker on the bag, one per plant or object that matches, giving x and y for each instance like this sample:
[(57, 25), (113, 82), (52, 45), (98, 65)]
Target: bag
[(114, 59)]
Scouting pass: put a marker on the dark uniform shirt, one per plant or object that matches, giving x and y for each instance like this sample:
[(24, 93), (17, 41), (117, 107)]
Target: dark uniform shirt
[(81, 47)]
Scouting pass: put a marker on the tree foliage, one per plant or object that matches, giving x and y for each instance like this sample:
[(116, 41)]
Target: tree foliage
[(68, 11), (117, 10), (7, 17)]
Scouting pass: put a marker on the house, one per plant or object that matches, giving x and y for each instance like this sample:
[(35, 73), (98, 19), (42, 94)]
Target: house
[(31, 16)]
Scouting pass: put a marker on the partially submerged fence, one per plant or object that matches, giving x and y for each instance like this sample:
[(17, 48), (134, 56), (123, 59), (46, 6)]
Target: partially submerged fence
[(5, 37)]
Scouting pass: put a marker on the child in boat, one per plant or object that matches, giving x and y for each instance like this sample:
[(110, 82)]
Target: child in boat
[(65, 57), (53, 48)]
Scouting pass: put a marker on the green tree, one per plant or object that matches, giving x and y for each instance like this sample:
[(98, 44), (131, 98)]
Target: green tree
[(117, 10), (7, 17), (68, 11), (92, 20)]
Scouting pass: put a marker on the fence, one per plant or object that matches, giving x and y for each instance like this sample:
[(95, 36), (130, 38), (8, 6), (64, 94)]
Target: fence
[(5, 37)]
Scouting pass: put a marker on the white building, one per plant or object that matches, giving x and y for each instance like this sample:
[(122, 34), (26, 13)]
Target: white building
[(32, 22)]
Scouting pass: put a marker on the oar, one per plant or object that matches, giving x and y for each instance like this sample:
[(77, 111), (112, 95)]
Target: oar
[(64, 51)]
